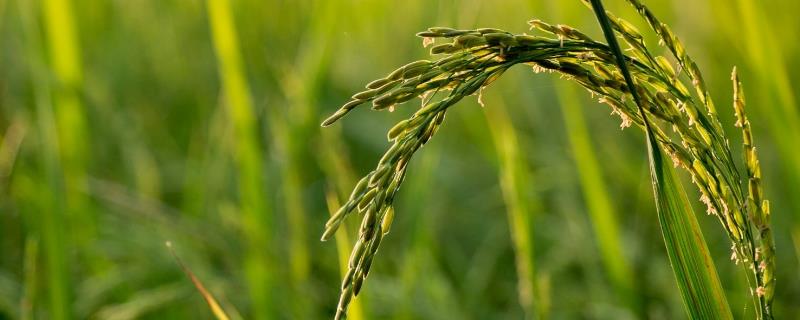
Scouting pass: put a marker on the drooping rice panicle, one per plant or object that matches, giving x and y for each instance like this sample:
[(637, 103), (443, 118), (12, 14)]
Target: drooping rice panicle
[(472, 59), (757, 206)]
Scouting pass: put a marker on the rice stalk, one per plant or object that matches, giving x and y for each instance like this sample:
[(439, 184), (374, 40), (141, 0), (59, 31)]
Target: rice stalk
[(472, 59), (257, 220), (50, 220)]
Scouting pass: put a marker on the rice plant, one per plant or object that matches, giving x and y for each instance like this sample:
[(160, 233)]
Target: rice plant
[(642, 88)]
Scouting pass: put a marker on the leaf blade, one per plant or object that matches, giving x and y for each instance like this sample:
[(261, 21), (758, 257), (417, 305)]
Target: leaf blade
[(694, 270)]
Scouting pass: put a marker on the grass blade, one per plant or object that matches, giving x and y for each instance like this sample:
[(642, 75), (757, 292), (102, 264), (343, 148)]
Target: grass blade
[(691, 262)]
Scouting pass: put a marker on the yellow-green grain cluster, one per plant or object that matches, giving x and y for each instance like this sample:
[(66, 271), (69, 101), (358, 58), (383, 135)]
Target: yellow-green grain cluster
[(471, 59)]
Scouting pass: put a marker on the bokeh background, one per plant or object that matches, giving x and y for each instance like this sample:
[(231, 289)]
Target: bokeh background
[(126, 124)]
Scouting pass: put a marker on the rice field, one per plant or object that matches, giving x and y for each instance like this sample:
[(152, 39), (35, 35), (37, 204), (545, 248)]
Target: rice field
[(126, 126)]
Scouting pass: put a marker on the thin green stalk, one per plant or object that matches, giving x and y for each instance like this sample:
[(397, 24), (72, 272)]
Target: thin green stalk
[(515, 182), (600, 209), (256, 216), (472, 59), (49, 222)]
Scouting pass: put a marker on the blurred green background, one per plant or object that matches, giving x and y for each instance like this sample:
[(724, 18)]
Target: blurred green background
[(126, 124)]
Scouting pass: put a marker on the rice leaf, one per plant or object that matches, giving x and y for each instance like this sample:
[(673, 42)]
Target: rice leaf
[(699, 146), (691, 262)]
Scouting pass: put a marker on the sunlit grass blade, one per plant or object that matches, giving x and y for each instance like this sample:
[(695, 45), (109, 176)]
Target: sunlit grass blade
[(218, 312), (514, 182), (256, 216)]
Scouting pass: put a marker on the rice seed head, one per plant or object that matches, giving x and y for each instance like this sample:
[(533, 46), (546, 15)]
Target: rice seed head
[(475, 58)]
